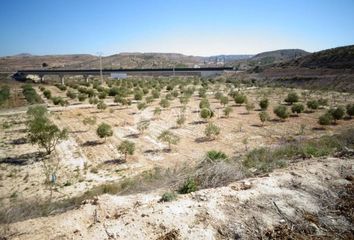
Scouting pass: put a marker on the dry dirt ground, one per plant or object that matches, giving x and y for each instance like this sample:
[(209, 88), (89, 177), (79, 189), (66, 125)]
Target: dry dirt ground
[(311, 199), (86, 161)]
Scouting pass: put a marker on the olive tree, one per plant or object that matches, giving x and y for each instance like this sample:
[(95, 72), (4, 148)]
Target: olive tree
[(312, 104), (211, 131), (227, 110), (297, 108), (157, 112), (89, 121), (240, 98), (206, 113), (143, 125), (292, 98), (204, 103), (249, 106), (337, 113), (101, 105), (181, 119), (104, 130), (263, 116), (164, 103), (281, 111), (263, 104), (350, 110), (42, 131), (169, 137), (126, 148), (47, 135), (224, 100)]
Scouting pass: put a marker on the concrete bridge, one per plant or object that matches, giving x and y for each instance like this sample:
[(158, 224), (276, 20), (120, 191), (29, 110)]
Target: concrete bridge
[(22, 74)]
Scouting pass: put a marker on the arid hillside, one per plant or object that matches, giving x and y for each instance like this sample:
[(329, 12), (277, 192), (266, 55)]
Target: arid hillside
[(328, 69), (13, 63)]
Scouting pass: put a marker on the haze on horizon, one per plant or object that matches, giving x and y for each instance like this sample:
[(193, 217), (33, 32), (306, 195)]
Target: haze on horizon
[(200, 28)]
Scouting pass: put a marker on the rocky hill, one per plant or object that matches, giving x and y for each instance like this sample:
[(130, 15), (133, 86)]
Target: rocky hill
[(331, 69)]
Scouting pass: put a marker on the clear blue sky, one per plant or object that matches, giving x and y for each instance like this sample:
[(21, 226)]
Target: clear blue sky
[(200, 27)]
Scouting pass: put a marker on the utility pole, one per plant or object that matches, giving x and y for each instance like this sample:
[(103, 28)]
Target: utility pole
[(101, 69), (100, 55)]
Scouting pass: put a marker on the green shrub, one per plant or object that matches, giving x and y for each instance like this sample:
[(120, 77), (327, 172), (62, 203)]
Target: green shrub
[(126, 148), (71, 94), (313, 104), (138, 96), (168, 197), (82, 97), (101, 105), (297, 108), (104, 130), (4, 94), (216, 155), (141, 106), (281, 111), (350, 110), (322, 102), (227, 110), (263, 104), (57, 100), (204, 103), (202, 92), (47, 93), (263, 116), (93, 100), (337, 113), (211, 131), (61, 87), (224, 100), (102, 95), (164, 103), (325, 119), (189, 186), (240, 98), (292, 98), (206, 113)]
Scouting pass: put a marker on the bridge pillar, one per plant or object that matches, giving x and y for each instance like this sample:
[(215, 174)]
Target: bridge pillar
[(41, 78), (62, 79), (86, 78)]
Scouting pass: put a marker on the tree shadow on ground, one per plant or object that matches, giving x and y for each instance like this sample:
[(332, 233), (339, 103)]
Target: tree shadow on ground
[(197, 122), (23, 159), (78, 131), (203, 139), (244, 113), (318, 128), (19, 141), (115, 161), (257, 125), (91, 143), (132, 135), (152, 151)]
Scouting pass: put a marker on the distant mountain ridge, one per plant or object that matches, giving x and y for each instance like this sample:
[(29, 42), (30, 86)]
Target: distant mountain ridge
[(333, 58)]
